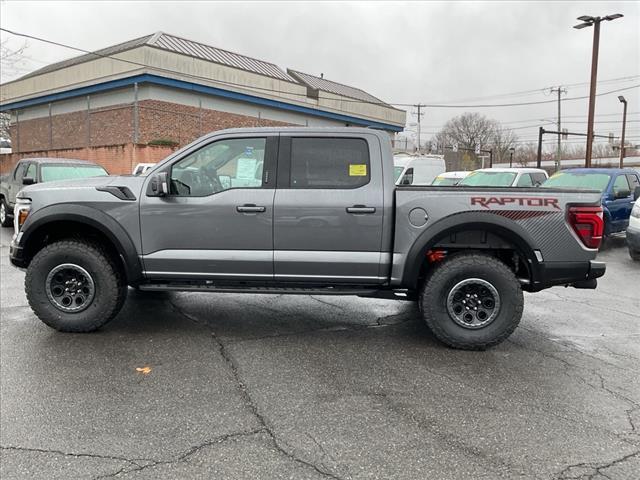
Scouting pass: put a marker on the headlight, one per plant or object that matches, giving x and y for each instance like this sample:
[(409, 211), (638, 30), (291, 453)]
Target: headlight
[(635, 212), (20, 213)]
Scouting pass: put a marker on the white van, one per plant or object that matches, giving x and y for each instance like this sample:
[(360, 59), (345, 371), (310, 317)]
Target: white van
[(417, 169)]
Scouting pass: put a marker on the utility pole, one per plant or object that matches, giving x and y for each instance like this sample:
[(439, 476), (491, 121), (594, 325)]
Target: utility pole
[(560, 91), (419, 106), (589, 21)]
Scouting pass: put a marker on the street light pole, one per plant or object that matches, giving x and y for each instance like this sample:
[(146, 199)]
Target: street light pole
[(592, 91), (511, 150), (624, 127), (594, 22)]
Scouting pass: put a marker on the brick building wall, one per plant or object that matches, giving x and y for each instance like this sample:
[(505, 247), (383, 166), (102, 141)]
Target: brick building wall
[(107, 136), (116, 159), (157, 120)]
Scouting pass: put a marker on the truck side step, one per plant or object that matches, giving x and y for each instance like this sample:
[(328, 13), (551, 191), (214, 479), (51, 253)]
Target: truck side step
[(176, 287)]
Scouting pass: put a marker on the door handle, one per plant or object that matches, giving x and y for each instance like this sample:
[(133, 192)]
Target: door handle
[(361, 209), (250, 208)]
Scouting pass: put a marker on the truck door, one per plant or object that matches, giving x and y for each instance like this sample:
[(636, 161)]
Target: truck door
[(15, 182), (620, 206), (217, 221), (328, 210)]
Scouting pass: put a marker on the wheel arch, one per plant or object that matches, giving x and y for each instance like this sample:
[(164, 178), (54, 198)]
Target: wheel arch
[(512, 236), (69, 221)]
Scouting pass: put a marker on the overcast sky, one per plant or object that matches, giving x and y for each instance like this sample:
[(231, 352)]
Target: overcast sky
[(431, 52)]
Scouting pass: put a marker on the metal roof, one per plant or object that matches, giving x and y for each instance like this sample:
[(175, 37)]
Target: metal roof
[(165, 41), (320, 83), (121, 47)]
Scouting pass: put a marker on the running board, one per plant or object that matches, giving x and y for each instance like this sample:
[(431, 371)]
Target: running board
[(155, 287)]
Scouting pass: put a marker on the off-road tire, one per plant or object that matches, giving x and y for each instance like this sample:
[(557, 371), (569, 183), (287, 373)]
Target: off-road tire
[(110, 288), (7, 221), (455, 269)]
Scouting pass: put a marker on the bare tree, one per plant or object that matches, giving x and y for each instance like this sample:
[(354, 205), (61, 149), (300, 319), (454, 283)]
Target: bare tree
[(467, 131), (9, 66), (471, 130)]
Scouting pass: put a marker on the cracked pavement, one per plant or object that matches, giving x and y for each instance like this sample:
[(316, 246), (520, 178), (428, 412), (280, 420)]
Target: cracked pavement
[(256, 386)]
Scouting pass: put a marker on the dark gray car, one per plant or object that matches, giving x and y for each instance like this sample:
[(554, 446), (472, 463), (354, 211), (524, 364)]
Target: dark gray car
[(302, 210), (36, 170)]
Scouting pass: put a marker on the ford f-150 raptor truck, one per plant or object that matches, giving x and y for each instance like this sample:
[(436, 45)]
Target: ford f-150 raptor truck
[(302, 211)]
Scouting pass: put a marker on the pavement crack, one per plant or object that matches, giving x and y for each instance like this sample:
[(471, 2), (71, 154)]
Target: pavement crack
[(247, 399), (183, 457), (339, 307), (589, 470), (134, 461), (602, 383)]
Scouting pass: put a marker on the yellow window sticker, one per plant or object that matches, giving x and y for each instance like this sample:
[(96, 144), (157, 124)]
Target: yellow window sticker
[(358, 170)]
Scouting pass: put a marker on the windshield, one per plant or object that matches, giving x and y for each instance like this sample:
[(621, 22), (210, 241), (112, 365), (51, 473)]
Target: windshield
[(489, 179), (446, 181), (397, 171), (51, 173), (582, 181)]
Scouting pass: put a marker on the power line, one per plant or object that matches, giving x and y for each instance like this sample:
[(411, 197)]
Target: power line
[(438, 105), (538, 90), (530, 103)]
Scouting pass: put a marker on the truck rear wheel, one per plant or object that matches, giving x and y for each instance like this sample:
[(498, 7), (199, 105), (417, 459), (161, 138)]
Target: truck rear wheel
[(73, 286), (472, 301)]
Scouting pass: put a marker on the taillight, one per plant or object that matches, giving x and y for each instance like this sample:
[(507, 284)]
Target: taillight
[(588, 224)]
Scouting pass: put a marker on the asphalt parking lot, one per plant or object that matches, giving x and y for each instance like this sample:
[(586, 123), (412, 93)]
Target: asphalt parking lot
[(253, 386)]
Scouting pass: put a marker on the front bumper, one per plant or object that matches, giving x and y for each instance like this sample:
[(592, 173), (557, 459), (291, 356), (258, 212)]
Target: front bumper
[(16, 253), (576, 274), (633, 238)]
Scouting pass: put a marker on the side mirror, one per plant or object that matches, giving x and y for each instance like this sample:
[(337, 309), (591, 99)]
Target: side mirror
[(28, 181), (636, 193), (621, 194), (159, 185)]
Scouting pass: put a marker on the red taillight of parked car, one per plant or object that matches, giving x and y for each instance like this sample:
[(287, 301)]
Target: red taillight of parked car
[(588, 224)]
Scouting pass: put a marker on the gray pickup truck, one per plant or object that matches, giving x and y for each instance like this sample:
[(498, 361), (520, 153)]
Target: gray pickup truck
[(36, 170), (302, 211)]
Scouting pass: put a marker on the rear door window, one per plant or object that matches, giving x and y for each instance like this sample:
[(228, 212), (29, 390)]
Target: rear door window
[(525, 181), (337, 163)]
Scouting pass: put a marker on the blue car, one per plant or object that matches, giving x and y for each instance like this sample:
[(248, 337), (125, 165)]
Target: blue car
[(617, 186)]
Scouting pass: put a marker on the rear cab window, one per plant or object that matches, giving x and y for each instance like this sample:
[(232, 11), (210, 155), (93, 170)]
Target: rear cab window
[(60, 171), (329, 163)]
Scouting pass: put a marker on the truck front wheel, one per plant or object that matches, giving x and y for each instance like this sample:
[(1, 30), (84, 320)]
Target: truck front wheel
[(73, 286), (471, 301)]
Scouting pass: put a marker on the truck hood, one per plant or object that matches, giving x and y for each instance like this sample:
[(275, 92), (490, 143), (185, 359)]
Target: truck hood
[(132, 182)]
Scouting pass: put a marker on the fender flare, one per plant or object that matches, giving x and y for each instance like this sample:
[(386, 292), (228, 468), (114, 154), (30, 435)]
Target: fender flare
[(94, 218), (502, 227)]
